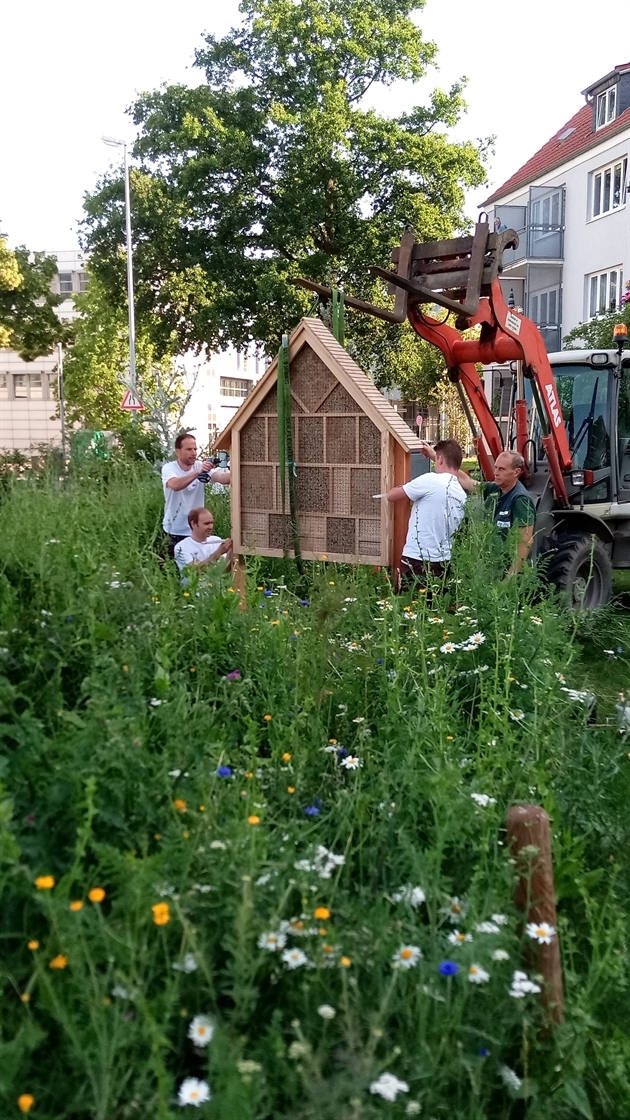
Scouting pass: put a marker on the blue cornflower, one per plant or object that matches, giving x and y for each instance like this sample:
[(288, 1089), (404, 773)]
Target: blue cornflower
[(224, 771), (342, 752), (483, 1053), (293, 638), (268, 594), (448, 968), (69, 618), (304, 602), (263, 605), (311, 811), (380, 660)]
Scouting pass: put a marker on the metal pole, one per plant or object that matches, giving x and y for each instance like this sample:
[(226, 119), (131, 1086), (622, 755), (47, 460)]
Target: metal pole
[(62, 402), (132, 318)]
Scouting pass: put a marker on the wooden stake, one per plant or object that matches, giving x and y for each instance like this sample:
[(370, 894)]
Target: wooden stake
[(239, 580), (530, 843)]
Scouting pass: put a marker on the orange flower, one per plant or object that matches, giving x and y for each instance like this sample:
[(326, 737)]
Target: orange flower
[(345, 962), (161, 913), (286, 757), (267, 719), (76, 906), (97, 894), (33, 945), (253, 819), (328, 949), (322, 912), (59, 961), (25, 1102), (45, 883), (290, 789), (179, 805)]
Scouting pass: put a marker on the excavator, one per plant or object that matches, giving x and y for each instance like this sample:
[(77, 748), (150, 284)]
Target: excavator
[(570, 412)]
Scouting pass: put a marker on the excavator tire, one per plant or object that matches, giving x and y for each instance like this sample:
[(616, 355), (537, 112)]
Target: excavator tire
[(581, 566)]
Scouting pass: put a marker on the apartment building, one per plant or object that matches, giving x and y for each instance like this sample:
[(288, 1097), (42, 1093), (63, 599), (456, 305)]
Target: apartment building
[(568, 203), (27, 389)]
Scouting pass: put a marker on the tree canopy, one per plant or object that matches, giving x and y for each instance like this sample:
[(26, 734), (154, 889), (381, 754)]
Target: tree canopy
[(28, 322), (598, 334), (275, 167)]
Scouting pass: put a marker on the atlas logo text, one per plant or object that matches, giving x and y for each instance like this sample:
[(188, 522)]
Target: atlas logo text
[(553, 405)]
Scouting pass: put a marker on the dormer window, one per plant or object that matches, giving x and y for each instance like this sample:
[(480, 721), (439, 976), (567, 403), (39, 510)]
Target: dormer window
[(606, 106)]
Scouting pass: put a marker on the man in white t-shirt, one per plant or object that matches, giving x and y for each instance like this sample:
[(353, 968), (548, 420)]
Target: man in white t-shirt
[(201, 547), (438, 507), (183, 487)]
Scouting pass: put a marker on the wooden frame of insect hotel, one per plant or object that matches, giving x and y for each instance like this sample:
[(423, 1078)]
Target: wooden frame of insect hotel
[(343, 444)]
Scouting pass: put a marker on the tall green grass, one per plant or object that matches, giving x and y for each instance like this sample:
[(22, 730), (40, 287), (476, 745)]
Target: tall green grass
[(118, 711)]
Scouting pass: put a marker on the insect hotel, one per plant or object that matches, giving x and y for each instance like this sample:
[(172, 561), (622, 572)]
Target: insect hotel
[(320, 426)]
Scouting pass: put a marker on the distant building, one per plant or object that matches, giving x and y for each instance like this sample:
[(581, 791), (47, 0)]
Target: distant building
[(568, 204), (27, 389)]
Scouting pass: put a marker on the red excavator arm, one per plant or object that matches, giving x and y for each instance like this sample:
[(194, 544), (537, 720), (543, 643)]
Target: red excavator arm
[(462, 275)]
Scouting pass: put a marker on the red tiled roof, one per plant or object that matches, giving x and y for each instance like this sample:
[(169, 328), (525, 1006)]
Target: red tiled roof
[(556, 151)]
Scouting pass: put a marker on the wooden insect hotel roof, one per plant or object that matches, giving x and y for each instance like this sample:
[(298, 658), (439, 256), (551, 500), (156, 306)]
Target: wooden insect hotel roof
[(349, 444)]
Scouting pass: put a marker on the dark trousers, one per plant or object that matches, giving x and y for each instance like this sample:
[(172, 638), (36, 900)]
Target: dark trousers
[(420, 573), (172, 541)]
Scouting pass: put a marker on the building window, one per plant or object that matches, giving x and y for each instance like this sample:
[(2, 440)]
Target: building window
[(605, 290), (4, 387), (609, 188), (544, 308), (83, 281), (234, 386), (28, 386), (545, 214), (606, 106), (65, 283)]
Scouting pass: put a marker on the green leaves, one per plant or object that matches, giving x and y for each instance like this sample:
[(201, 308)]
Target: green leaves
[(28, 322)]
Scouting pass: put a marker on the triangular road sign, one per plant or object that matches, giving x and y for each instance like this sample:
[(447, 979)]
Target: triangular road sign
[(131, 402)]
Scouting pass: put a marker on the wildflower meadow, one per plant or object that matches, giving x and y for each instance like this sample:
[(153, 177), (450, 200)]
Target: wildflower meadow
[(254, 861)]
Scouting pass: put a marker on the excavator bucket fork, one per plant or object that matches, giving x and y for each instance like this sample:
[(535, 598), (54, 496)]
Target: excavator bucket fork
[(462, 275)]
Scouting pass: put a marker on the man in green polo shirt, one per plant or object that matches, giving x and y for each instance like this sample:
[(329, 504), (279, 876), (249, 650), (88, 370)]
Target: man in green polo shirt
[(508, 501)]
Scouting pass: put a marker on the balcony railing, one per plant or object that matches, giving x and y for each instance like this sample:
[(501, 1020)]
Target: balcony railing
[(539, 224)]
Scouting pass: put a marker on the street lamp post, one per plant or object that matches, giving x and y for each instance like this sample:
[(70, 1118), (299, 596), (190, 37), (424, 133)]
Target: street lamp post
[(113, 143), (62, 402)]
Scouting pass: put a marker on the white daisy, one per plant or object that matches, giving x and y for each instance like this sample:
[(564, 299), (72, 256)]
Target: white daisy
[(218, 845), (193, 1091), (351, 762), (448, 647), (436, 621), (272, 941), (487, 927), (154, 702), (455, 910), (476, 639), (478, 975), (500, 919), (458, 938), (414, 1108), (522, 986), (541, 932), (359, 719), (294, 958), (407, 956), (389, 1086), (517, 715), (189, 964), (500, 955), (326, 1011), (415, 896), (201, 1030), (483, 799), (510, 1078)]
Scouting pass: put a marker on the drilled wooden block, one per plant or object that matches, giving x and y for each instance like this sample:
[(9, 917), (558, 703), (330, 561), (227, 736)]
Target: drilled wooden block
[(312, 534), (341, 490), (253, 440), (311, 380), (269, 403), (339, 401), (272, 438), (370, 536), (312, 489), (310, 439), (364, 483), (341, 439), (341, 535), (280, 532), (254, 530), (256, 487), (369, 441)]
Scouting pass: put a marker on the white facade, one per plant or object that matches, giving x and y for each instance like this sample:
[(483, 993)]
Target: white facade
[(573, 263), (223, 382), (28, 402)]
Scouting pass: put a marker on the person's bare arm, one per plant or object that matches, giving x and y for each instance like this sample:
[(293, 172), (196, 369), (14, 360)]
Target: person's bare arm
[(465, 481), (224, 549), (396, 494), (220, 474), (523, 549), (185, 480)]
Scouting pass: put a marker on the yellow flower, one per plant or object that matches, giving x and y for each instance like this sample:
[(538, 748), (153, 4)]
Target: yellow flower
[(329, 949), (185, 835), (45, 883), (259, 588), (97, 894), (267, 719), (179, 805), (332, 741), (25, 997), (324, 556), (186, 594), (290, 789), (25, 1102), (125, 668), (106, 1000), (345, 962), (192, 669), (161, 913), (59, 961), (322, 931), (275, 622), (231, 589), (249, 774), (322, 912), (157, 835), (331, 582), (76, 906), (202, 808), (450, 738), (33, 945), (253, 819), (286, 757)]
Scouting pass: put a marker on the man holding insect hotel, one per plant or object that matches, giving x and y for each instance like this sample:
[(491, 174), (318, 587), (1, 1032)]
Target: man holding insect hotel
[(437, 510)]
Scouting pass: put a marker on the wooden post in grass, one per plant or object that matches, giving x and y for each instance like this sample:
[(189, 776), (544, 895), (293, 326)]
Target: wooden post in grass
[(530, 844), (239, 580)]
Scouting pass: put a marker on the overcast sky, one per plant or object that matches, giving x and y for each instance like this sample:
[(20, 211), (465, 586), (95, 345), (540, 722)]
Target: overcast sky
[(70, 68)]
